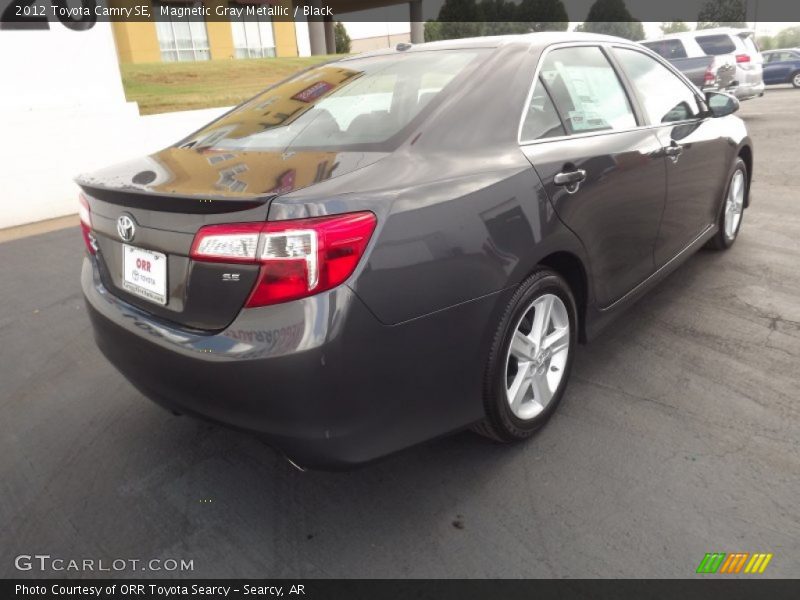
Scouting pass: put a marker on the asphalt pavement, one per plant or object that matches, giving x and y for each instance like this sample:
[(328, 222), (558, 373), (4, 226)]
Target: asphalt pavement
[(679, 435)]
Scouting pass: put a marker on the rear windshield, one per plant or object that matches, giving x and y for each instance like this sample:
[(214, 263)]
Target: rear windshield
[(667, 48), (750, 44), (716, 44), (361, 104)]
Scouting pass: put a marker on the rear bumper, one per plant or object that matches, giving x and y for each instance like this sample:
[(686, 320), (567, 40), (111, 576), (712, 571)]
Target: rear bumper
[(749, 90), (321, 378)]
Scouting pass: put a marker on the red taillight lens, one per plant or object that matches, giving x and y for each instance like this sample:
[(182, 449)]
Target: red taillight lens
[(298, 258), (709, 77), (742, 58), (85, 214)]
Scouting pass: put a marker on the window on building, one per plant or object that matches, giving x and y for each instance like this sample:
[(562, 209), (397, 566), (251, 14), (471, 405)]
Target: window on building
[(179, 38), (252, 34)]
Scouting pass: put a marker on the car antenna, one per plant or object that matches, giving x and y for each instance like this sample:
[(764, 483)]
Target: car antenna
[(403, 46)]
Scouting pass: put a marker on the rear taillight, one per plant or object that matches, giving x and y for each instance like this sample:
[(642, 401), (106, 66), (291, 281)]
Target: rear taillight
[(85, 214), (742, 58), (298, 258), (709, 78)]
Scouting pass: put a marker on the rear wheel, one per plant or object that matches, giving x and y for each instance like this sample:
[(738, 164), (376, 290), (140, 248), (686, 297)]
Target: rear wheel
[(530, 358), (796, 79), (730, 219)]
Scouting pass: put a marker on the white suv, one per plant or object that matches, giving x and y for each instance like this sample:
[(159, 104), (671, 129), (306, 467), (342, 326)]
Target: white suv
[(740, 43)]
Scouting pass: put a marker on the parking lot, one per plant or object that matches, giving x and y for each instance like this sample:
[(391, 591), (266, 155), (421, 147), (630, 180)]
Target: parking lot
[(679, 435)]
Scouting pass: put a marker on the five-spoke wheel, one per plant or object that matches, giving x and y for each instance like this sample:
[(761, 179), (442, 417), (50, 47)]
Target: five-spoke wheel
[(530, 357)]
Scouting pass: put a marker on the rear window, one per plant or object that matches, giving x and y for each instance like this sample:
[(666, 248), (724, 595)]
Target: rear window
[(714, 45), (750, 44), (667, 48), (362, 104)]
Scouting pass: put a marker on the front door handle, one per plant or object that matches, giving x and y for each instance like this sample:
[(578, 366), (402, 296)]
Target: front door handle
[(571, 179)]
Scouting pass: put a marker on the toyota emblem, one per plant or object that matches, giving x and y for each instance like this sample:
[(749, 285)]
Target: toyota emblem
[(126, 228)]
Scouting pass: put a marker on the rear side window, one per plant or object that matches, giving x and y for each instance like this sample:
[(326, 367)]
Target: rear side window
[(586, 91), (667, 48), (664, 97), (541, 119), (714, 45)]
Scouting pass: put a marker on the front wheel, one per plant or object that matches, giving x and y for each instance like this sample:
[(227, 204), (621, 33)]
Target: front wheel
[(730, 219), (796, 79), (530, 358)]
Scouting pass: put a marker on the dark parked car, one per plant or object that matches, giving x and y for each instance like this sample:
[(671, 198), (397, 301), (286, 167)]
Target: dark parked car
[(399, 245), (782, 66)]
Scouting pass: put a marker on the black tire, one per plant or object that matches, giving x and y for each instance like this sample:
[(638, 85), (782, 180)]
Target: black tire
[(720, 241), (500, 423), (794, 79)]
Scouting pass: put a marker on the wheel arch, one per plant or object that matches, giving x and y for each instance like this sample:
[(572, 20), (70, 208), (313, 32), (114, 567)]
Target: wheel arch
[(572, 269), (746, 154)]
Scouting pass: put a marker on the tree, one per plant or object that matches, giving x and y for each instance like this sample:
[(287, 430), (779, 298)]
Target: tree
[(788, 38), (433, 31), (542, 15), (766, 42), (611, 17), (466, 18), (460, 19), (722, 13), (674, 27), (499, 18), (342, 38)]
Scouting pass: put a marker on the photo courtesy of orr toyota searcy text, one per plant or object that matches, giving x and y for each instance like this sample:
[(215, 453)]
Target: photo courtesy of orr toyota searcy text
[(138, 590)]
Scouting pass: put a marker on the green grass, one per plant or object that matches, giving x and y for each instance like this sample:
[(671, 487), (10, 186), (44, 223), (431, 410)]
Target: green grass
[(166, 87)]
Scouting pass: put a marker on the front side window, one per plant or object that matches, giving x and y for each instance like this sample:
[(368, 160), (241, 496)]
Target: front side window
[(586, 90), (252, 35), (180, 39), (714, 45), (664, 97), (362, 104)]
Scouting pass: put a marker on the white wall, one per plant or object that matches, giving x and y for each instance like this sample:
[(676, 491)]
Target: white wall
[(64, 113)]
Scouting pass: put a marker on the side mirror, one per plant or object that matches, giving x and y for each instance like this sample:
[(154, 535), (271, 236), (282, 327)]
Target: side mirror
[(721, 104)]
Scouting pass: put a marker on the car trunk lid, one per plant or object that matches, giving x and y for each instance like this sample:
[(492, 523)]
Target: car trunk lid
[(146, 213)]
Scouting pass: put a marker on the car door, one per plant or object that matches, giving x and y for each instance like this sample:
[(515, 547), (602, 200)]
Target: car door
[(695, 146), (604, 174), (772, 67), (780, 67)]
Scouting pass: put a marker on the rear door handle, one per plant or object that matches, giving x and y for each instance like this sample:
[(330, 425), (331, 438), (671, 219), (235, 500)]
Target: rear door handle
[(674, 151), (571, 179)]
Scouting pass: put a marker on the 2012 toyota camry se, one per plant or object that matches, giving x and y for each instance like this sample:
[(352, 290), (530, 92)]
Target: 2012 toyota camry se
[(395, 246)]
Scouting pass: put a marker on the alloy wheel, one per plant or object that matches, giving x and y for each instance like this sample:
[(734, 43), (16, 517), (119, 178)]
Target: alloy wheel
[(734, 203), (537, 356)]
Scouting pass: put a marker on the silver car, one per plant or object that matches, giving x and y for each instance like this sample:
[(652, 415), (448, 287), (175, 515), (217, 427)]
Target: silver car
[(723, 41)]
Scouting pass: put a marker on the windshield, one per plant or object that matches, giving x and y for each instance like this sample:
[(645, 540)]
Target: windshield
[(361, 104)]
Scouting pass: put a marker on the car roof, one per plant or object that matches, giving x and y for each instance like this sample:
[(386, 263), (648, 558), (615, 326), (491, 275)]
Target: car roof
[(703, 32), (536, 40)]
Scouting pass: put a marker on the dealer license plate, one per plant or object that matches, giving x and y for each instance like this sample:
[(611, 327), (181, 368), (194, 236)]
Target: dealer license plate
[(144, 273)]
